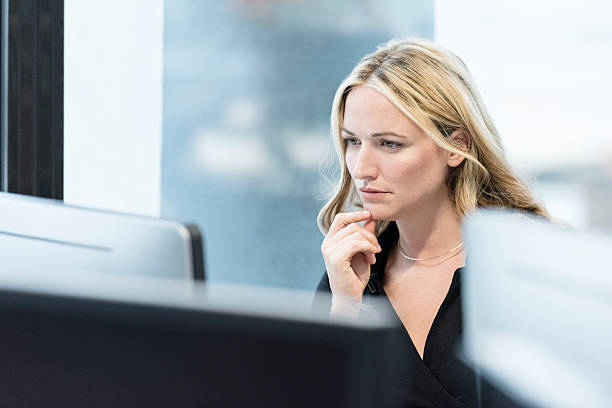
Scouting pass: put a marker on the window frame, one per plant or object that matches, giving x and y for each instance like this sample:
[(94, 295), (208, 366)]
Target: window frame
[(32, 97)]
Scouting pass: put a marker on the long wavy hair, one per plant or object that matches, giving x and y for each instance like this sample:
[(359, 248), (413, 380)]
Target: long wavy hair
[(432, 87)]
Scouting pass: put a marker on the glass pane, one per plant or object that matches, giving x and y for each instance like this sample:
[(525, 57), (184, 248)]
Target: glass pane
[(543, 69), (248, 87)]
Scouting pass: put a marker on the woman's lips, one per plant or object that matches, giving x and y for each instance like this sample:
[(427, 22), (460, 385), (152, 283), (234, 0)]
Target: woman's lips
[(371, 193)]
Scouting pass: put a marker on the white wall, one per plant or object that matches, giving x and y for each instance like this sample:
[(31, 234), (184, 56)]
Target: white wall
[(543, 68), (113, 104)]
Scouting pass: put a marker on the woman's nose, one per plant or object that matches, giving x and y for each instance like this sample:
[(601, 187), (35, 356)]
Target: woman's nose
[(365, 167)]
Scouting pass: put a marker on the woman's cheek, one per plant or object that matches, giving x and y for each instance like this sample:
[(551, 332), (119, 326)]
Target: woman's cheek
[(349, 162)]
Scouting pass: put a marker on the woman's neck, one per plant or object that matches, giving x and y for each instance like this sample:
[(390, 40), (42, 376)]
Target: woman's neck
[(430, 231)]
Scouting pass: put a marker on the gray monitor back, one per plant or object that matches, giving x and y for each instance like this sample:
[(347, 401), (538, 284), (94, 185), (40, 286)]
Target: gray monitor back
[(537, 301), (44, 234)]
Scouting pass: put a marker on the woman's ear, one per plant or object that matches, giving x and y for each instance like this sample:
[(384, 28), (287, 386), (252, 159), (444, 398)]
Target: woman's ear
[(462, 139)]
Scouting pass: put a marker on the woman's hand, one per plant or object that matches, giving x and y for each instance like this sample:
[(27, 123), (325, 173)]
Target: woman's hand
[(348, 251)]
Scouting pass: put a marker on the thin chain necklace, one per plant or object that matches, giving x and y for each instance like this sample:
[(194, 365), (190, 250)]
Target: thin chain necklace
[(399, 248)]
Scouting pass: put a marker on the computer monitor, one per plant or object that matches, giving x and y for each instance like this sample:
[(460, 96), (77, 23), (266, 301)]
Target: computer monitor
[(537, 300), (88, 340), (38, 233)]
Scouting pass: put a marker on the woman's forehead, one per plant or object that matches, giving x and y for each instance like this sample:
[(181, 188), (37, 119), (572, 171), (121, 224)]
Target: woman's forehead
[(367, 109)]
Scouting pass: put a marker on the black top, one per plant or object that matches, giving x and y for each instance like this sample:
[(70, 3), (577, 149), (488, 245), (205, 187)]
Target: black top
[(439, 379)]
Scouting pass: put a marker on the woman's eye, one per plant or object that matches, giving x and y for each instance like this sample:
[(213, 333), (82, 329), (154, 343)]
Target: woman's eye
[(390, 144), (351, 141)]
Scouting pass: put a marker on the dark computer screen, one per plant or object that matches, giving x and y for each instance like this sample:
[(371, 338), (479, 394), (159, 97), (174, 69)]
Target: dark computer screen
[(71, 349)]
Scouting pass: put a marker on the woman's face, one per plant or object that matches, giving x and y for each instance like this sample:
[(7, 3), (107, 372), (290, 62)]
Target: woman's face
[(397, 169)]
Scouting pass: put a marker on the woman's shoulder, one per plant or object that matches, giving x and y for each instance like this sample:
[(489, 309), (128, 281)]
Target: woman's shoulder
[(323, 285)]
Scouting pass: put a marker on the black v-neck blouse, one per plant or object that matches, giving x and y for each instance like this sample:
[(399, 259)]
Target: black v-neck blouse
[(439, 379)]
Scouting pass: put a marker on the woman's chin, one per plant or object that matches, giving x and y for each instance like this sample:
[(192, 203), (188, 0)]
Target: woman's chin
[(378, 213)]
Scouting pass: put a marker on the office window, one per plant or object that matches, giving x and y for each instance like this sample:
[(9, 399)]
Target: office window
[(542, 68), (248, 87)]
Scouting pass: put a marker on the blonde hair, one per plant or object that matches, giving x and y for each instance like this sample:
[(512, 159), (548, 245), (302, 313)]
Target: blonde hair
[(433, 88)]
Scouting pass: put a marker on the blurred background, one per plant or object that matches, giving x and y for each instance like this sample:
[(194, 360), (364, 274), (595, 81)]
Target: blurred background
[(245, 87), (247, 94)]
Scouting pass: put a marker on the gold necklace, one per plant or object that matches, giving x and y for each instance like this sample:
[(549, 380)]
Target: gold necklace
[(399, 249)]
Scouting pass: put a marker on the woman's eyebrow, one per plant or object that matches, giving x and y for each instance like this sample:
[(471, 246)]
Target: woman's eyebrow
[(377, 134)]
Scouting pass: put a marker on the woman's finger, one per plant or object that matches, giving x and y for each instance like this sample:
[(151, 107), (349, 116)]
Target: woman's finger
[(341, 220), (349, 230), (346, 249), (370, 225)]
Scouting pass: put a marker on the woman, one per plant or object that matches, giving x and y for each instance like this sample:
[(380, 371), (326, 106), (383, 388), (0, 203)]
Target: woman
[(418, 151)]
